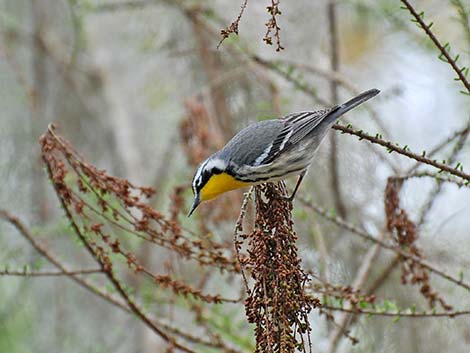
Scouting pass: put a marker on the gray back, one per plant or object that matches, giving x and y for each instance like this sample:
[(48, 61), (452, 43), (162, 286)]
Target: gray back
[(251, 142)]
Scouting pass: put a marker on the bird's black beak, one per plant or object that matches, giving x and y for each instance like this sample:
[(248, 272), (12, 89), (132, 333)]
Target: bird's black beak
[(196, 203)]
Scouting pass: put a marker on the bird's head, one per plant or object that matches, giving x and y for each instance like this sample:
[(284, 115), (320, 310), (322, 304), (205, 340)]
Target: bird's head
[(211, 179)]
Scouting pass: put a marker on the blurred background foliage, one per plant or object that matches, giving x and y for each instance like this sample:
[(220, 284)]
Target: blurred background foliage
[(140, 89)]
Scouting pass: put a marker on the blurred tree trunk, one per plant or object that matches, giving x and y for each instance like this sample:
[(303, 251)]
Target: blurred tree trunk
[(214, 69), (70, 89), (334, 64), (40, 91)]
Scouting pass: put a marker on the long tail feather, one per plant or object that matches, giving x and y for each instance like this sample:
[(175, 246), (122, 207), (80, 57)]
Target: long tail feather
[(350, 104)]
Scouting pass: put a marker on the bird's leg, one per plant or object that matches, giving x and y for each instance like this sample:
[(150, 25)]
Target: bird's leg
[(299, 181)]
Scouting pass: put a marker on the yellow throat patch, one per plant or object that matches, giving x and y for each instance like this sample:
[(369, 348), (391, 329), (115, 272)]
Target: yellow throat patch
[(218, 184)]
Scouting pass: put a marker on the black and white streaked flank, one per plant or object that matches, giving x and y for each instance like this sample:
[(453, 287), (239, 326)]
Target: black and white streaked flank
[(270, 150)]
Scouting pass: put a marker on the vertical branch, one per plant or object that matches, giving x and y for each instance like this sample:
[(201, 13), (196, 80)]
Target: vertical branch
[(384, 275), (39, 101), (359, 280), (212, 68), (334, 64), (334, 49)]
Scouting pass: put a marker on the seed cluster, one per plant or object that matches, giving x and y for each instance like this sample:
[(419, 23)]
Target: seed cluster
[(405, 234), (277, 303), (104, 206)]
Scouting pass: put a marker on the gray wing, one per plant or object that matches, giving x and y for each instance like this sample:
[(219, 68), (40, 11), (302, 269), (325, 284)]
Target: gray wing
[(261, 143), (297, 126), (246, 147), (300, 125)]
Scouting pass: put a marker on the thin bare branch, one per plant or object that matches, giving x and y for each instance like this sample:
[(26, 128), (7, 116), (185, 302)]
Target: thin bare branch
[(23, 230), (238, 233), (381, 279), (113, 279), (419, 19), (29, 273), (101, 293), (233, 28), (443, 144), (439, 186), (391, 147), (439, 177), (363, 234), (398, 314)]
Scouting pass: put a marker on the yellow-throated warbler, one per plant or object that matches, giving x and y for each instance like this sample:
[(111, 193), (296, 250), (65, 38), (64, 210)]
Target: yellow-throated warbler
[(268, 150)]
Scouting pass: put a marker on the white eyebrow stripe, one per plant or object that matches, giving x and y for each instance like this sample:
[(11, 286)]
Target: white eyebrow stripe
[(215, 163), (208, 164), (197, 176)]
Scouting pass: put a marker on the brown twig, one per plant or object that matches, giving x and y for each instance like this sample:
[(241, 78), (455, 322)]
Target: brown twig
[(91, 179), (98, 181), (391, 147), (272, 25), (29, 273), (311, 91), (75, 276), (233, 28), (107, 269), (404, 234)]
